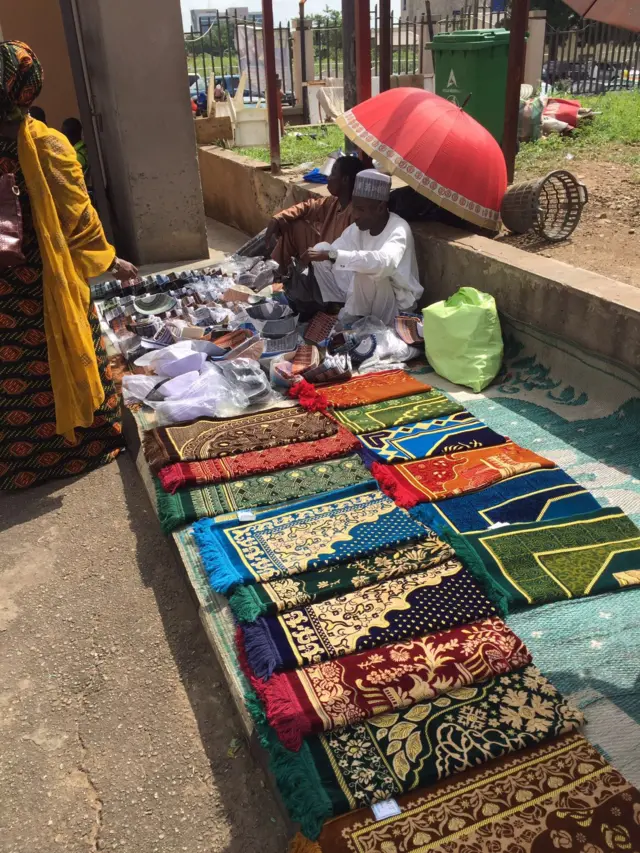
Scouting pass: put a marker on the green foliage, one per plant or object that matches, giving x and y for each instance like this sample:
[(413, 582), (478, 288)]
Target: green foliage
[(613, 135), (559, 15), (327, 35), (294, 151)]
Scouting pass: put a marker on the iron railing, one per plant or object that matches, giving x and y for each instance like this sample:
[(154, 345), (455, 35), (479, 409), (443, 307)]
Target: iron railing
[(227, 46)]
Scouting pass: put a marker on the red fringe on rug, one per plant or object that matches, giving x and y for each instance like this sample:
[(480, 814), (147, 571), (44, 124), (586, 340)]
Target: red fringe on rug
[(393, 487), (305, 393)]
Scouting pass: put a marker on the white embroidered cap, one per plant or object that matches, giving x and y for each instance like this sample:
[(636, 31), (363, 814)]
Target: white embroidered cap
[(372, 184)]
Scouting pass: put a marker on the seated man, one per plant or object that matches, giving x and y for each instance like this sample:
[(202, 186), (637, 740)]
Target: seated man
[(300, 227), (372, 267)]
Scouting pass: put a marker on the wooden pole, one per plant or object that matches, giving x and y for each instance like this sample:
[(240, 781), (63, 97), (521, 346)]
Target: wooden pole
[(363, 50), (515, 73), (303, 61), (269, 44), (385, 45)]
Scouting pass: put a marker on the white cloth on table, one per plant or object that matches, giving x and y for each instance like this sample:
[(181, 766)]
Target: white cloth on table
[(376, 275)]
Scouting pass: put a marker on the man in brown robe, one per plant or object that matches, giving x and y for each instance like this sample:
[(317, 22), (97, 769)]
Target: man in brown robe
[(300, 227)]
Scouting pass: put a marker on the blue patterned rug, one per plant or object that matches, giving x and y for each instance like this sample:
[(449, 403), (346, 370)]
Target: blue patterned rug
[(582, 412)]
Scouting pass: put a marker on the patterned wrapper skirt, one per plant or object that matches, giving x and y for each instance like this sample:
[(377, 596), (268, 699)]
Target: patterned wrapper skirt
[(30, 450)]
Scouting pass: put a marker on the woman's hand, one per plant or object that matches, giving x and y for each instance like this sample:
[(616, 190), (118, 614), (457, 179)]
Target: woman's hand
[(123, 270)]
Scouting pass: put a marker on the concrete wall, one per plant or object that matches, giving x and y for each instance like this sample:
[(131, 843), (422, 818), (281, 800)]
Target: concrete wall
[(599, 313), (534, 57), (138, 76), (38, 23)]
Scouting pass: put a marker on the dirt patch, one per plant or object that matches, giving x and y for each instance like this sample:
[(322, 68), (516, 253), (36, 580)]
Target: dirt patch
[(607, 240)]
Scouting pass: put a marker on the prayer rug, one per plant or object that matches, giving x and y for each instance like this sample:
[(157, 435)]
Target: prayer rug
[(437, 437), (212, 439), (360, 390), (437, 599), (395, 753), (390, 413), (269, 599), (558, 795), (541, 495), (456, 474), (316, 533), (292, 484), (320, 327), (342, 692), (184, 474), (532, 564)]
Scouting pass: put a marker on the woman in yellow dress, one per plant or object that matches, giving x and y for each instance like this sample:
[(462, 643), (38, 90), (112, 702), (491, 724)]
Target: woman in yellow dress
[(59, 411)]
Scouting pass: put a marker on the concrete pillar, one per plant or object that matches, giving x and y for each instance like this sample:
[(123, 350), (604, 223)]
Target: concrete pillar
[(535, 47), (297, 60), (138, 79), (39, 24)]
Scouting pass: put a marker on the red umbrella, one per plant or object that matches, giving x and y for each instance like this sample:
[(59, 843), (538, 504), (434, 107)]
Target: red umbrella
[(616, 13), (435, 147)]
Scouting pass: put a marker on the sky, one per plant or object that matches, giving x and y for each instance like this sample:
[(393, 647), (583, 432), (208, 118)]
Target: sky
[(283, 10)]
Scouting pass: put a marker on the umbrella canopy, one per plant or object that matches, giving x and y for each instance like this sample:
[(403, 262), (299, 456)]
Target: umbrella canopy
[(434, 146), (616, 13)]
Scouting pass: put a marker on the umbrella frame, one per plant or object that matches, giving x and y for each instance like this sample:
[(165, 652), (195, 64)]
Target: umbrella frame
[(452, 201)]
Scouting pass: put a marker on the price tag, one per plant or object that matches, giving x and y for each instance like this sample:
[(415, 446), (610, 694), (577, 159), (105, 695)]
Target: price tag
[(246, 515), (388, 808)]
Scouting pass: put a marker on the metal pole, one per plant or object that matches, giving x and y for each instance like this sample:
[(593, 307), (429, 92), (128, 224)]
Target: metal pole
[(363, 50), (515, 72), (271, 88), (385, 45), (303, 62)]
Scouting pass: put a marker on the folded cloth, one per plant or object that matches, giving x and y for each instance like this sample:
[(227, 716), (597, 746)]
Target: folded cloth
[(531, 564), (268, 599), (538, 495), (394, 753), (390, 413), (558, 795), (212, 439), (455, 474), (320, 327), (184, 474), (316, 533), (436, 599), (435, 437), (189, 505), (360, 390), (327, 696)]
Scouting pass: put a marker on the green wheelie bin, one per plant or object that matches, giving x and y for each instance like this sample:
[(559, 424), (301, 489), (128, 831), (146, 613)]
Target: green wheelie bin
[(473, 64)]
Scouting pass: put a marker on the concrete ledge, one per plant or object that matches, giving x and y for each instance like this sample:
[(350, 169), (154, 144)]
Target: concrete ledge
[(599, 313)]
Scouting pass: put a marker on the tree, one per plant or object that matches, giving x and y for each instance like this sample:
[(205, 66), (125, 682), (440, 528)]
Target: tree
[(327, 33)]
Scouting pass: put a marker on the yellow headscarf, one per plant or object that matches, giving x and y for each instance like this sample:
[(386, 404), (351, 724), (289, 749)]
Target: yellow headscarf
[(73, 248)]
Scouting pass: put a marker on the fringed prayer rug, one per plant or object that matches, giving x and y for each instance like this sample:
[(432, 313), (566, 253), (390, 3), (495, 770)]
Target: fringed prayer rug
[(211, 439), (316, 533), (532, 564), (268, 599), (390, 413), (342, 692), (185, 474), (457, 474), (560, 795), (437, 437), (437, 599), (541, 495), (360, 390), (189, 505), (395, 753)]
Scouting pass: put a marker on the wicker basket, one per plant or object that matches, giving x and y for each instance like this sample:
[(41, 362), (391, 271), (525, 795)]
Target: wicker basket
[(551, 206)]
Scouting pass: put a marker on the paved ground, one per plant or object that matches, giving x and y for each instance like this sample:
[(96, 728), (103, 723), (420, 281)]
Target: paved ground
[(115, 725)]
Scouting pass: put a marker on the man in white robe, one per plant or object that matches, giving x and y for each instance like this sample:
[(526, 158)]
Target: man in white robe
[(372, 266)]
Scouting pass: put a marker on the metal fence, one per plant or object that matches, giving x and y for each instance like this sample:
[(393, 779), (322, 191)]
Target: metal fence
[(226, 47), (588, 58)]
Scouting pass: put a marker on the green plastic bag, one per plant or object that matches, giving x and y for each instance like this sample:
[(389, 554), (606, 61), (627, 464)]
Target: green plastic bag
[(462, 338)]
